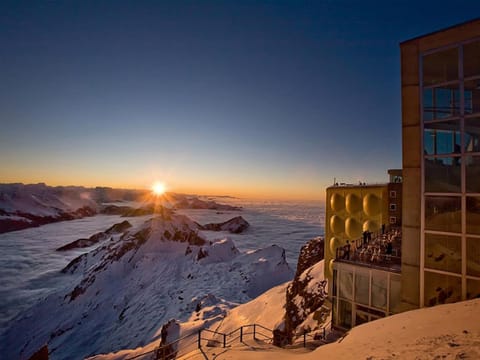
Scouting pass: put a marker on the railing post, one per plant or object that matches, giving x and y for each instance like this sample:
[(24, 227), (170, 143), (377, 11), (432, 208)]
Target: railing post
[(304, 338), (324, 333), (241, 333), (254, 328), (224, 340), (200, 338)]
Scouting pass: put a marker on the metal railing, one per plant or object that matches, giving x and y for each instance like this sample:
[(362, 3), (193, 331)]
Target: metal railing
[(173, 349)]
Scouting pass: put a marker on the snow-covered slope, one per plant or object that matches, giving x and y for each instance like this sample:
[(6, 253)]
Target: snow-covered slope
[(23, 206), (129, 287), (448, 332)]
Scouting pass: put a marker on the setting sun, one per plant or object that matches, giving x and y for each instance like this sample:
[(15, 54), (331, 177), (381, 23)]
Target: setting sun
[(158, 188)]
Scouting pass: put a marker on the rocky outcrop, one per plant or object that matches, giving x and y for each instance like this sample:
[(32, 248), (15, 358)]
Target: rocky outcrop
[(22, 220), (196, 203), (128, 211), (98, 237), (310, 254), (169, 335), (306, 295), (235, 225), (123, 290)]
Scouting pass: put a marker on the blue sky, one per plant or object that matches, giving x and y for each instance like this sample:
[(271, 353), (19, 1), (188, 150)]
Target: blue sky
[(248, 98)]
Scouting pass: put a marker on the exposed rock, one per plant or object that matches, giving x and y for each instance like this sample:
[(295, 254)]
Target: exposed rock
[(235, 225), (306, 294), (96, 238), (310, 254), (196, 203), (128, 211), (169, 334), (21, 220), (41, 354)]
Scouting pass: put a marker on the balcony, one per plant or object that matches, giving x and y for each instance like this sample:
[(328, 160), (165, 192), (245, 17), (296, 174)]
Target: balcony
[(381, 251)]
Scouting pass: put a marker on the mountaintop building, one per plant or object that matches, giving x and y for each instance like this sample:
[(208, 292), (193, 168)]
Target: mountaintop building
[(428, 251)]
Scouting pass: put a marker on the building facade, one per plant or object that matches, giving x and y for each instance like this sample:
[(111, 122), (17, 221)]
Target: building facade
[(440, 76)]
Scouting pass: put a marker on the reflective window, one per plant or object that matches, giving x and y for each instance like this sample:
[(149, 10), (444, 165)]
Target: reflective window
[(442, 138), (473, 256), (344, 314), (473, 173), (472, 134), (443, 213), (473, 215), (440, 67), (442, 289), (379, 290), (440, 103), (473, 289), (362, 288), (442, 174), (443, 252), (395, 290), (472, 96), (471, 59), (345, 285)]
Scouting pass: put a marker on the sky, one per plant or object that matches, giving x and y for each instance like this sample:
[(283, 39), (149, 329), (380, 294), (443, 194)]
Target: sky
[(258, 99)]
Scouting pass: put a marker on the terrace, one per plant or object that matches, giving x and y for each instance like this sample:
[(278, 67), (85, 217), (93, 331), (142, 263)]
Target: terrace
[(382, 251)]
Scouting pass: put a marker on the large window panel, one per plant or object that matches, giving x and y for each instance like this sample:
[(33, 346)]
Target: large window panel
[(442, 138), (362, 288), (345, 314), (395, 293), (440, 67), (441, 102), (473, 289), (472, 96), (443, 213), (442, 174), (442, 289), (345, 285), (379, 290), (472, 134), (471, 59), (472, 169), (473, 215), (443, 252), (473, 256)]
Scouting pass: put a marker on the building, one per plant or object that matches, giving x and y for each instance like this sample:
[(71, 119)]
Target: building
[(441, 166), (435, 198), (365, 286)]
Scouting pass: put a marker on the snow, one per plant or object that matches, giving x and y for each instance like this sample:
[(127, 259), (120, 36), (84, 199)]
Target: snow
[(42, 200), (129, 288), (449, 332)]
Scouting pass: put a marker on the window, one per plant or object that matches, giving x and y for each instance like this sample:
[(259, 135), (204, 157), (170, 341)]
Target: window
[(393, 207), (393, 194), (440, 67), (393, 220), (443, 213)]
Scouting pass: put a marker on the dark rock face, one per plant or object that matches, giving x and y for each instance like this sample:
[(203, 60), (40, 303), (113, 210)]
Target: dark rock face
[(169, 334), (96, 238), (196, 203), (127, 211), (235, 225), (21, 220), (41, 354), (305, 295), (310, 254)]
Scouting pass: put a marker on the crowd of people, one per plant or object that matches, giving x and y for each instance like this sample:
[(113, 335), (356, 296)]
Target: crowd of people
[(382, 248)]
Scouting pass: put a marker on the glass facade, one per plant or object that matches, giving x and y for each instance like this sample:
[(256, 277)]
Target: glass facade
[(450, 100), (363, 294)]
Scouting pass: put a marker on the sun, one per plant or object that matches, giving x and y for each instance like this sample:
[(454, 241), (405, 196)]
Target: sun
[(159, 188)]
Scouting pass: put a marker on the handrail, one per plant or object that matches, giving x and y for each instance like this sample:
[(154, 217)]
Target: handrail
[(167, 352)]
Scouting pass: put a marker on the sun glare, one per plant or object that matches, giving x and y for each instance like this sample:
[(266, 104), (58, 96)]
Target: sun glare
[(158, 188)]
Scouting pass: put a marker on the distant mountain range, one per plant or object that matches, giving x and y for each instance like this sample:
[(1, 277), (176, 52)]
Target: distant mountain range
[(23, 206)]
